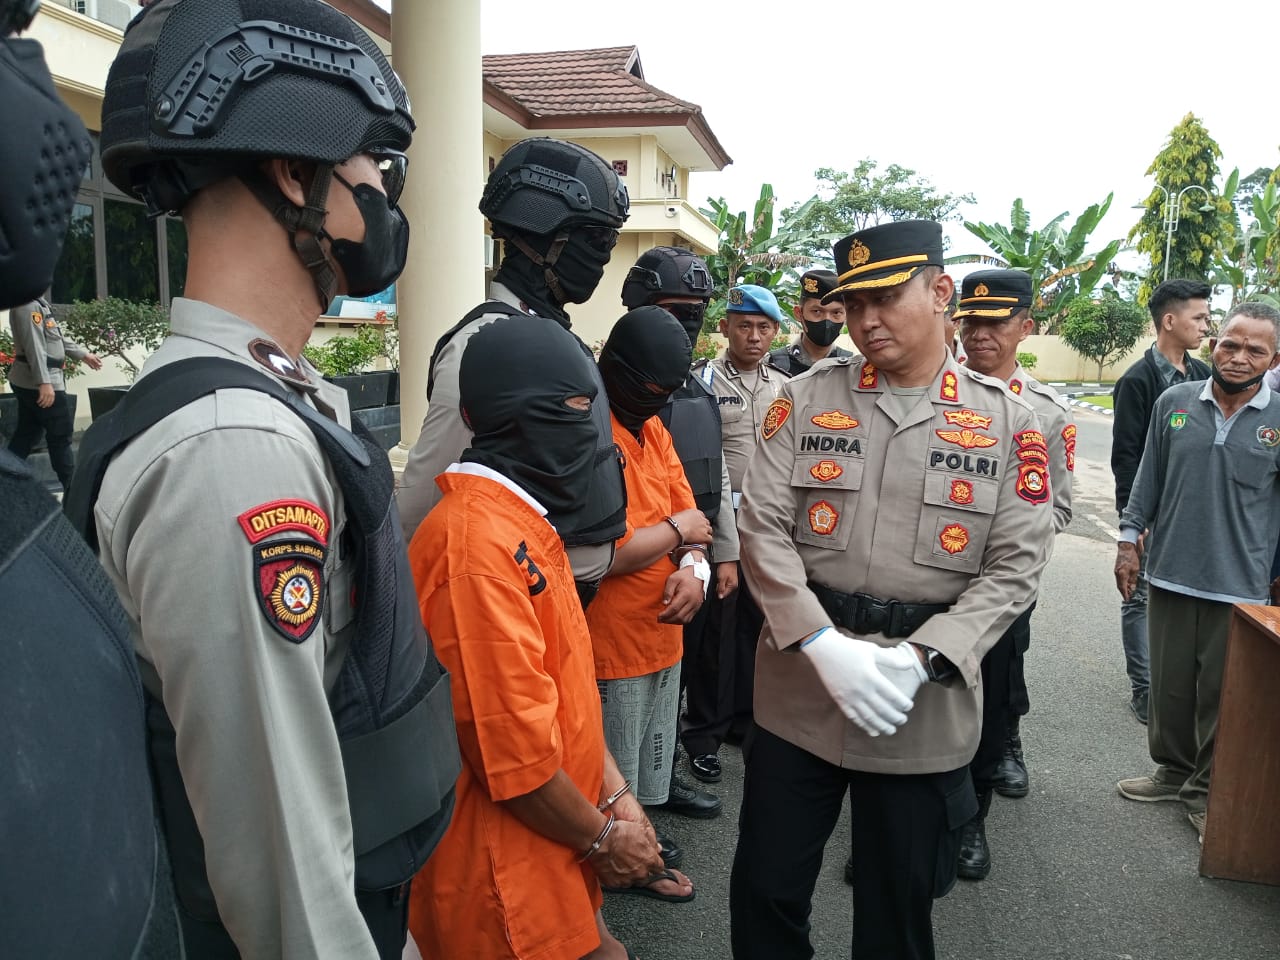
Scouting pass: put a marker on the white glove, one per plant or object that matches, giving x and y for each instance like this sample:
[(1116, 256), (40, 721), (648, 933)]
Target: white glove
[(901, 666), (847, 668)]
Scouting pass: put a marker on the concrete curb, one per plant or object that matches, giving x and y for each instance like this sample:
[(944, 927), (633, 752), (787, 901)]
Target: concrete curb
[(1073, 390)]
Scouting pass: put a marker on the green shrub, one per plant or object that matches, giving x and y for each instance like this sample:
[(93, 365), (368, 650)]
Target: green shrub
[(1028, 360), (343, 355), (113, 326)]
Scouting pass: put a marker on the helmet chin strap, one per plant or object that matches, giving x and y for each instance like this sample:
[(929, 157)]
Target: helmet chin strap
[(547, 262), (305, 225)]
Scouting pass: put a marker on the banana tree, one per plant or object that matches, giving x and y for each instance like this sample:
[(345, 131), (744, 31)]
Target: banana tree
[(1055, 256), (750, 252)]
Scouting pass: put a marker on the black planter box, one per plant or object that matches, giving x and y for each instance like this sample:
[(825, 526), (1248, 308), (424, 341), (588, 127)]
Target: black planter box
[(9, 419), (366, 389), (102, 400), (383, 423)]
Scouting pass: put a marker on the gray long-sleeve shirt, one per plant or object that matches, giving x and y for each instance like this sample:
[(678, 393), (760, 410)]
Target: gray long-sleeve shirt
[(1208, 487), (40, 347)]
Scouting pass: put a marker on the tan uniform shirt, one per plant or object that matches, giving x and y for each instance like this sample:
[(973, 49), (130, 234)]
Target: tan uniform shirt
[(1054, 414), (444, 436), (742, 409), (934, 506), (256, 743), (37, 338)]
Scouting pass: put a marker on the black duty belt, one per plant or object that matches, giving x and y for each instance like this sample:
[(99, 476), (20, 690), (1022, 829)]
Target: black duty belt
[(49, 362), (863, 613)]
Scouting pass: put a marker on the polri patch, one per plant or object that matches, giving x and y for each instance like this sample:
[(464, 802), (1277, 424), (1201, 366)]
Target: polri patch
[(953, 538), (1030, 438), (823, 518), (1069, 439), (826, 470), (834, 420), (775, 417), (284, 516), (961, 492), (1033, 482), (289, 581)]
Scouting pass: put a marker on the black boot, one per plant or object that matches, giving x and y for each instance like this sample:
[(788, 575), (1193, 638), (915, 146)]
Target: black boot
[(974, 862), (1011, 775)]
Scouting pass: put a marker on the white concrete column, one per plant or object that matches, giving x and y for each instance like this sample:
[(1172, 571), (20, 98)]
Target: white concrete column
[(435, 48)]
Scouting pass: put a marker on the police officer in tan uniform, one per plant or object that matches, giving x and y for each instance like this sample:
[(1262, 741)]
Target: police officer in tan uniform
[(238, 540), (745, 382), (893, 526), (40, 354), (994, 316), (820, 324)]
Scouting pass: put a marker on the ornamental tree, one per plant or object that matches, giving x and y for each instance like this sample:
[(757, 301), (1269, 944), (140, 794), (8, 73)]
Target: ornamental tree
[(1103, 330)]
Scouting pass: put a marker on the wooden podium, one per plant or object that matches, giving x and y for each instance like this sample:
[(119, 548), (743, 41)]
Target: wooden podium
[(1242, 832)]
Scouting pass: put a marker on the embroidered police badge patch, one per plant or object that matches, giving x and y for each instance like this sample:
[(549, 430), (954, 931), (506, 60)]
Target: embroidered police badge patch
[(981, 290), (289, 581), (961, 492), (858, 254), (826, 470), (967, 439), (823, 518), (810, 285), (775, 417), (966, 418), (833, 420), (953, 538), (1033, 483), (1069, 439)]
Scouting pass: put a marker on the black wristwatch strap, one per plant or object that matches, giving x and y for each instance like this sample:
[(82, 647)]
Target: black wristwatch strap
[(938, 667)]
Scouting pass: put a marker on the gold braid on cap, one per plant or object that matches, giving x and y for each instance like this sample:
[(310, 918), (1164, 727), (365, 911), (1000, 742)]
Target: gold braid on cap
[(998, 312)]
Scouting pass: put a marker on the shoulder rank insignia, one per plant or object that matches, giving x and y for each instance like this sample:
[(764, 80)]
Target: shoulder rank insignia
[(274, 359), (966, 439), (823, 518), (289, 581), (870, 377), (950, 387), (775, 417), (826, 471), (1015, 386), (953, 538), (834, 420), (280, 516), (966, 418), (961, 492)]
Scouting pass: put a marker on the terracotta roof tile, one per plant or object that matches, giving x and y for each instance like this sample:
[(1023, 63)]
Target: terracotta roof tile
[(608, 80)]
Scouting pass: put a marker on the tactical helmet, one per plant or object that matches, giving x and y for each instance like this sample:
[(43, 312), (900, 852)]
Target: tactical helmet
[(666, 272), (543, 184), (200, 89)]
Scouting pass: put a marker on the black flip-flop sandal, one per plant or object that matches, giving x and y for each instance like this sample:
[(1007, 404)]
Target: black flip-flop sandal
[(646, 889)]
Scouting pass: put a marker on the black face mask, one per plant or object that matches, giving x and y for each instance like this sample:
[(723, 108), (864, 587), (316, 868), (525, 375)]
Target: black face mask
[(822, 332), (646, 348), (581, 263), (690, 316), (373, 264), (1228, 387), (514, 379)]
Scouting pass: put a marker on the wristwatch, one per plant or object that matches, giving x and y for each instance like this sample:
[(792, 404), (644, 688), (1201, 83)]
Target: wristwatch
[(938, 667)]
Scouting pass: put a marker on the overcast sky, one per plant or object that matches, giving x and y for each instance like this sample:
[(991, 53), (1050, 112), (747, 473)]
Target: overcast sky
[(1055, 103)]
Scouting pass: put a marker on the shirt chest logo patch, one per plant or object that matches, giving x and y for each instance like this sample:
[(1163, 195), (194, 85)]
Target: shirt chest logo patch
[(834, 420), (966, 418), (775, 417), (1268, 436), (289, 577), (826, 471), (961, 492), (966, 439), (823, 518), (1177, 419), (953, 538)]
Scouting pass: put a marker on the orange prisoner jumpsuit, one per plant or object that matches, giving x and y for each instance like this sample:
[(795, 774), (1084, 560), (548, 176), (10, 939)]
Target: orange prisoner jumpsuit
[(497, 594), (626, 637)]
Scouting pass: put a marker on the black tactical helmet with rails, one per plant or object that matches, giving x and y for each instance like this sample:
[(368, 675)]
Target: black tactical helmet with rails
[(542, 185), (666, 272), (202, 88)]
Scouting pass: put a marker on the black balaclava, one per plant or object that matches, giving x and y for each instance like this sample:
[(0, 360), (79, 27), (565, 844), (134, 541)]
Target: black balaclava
[(647, 346), (822, 332), (549, 270), (1229, 387), (690, 315), (515, 376)]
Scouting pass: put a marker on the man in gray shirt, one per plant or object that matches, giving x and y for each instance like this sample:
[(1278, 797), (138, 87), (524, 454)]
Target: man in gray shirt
[(1206, 491)]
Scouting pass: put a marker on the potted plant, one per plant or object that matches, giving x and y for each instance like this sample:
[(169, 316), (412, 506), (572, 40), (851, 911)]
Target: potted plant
[(385, 333), (112, 328), (343, 360)]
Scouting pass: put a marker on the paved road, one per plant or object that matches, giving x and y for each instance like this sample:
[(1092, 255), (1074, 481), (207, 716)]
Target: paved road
[(1079, 873)]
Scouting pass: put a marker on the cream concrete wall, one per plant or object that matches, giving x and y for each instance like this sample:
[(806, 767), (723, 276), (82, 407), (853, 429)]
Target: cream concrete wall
[(1055, 361), (79, 51)]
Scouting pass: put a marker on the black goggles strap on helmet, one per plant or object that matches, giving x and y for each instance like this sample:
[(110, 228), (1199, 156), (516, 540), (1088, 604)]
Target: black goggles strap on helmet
[(305, 225)]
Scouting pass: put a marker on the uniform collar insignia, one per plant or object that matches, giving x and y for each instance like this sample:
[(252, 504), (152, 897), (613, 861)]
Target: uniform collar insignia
[(275, 360)]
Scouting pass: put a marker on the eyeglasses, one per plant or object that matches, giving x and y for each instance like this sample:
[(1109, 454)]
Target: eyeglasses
[(393, 167), (603, 239)]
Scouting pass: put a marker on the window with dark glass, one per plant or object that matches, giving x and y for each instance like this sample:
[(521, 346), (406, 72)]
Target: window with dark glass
[(133, 267), (75, 277)]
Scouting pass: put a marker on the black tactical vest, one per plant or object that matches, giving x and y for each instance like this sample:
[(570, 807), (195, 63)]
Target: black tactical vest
[(603, 518), (692, 417), (391, 705)]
